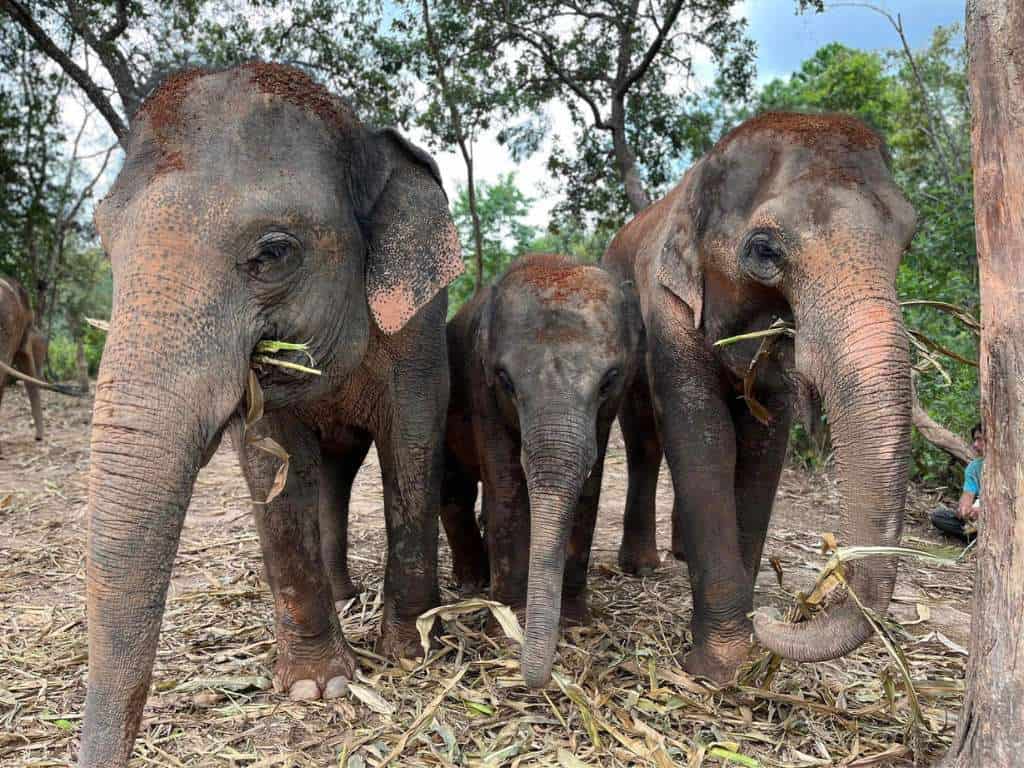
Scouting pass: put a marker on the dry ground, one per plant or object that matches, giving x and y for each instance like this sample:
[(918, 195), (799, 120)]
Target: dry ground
[(623, 700)]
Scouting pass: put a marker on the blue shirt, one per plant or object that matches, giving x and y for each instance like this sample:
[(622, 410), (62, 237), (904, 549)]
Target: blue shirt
[(972, 477)]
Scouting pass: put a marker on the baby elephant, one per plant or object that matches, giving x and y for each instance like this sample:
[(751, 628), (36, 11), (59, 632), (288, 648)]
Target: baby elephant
[(539, 363)]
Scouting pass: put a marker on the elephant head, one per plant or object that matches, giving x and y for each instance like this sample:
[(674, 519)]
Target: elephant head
[(252, 205), (797, 216), (555, 341)]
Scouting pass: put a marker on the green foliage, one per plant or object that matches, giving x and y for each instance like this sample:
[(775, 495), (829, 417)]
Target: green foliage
[(62, 361), (572, 240), (501, 207), (839, 79), (30, 139)]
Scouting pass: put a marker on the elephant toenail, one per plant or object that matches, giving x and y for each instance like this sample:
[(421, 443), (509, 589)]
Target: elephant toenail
[(304, 690), (336, 686)]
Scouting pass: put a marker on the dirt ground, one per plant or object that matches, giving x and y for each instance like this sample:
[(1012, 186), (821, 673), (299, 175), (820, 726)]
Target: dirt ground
[(622, 698)]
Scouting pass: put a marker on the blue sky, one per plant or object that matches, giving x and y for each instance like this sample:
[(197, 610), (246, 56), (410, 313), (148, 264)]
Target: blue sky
[(785, 39)]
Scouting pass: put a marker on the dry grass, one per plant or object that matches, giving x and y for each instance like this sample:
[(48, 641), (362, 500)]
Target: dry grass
[(621, 697)]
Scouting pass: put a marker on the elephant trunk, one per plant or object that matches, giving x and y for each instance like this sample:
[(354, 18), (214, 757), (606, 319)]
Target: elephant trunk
[(159, 406), (859, 361), (559, 450)]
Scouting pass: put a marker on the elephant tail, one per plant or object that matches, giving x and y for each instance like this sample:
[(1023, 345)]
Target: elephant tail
[(62, 389)]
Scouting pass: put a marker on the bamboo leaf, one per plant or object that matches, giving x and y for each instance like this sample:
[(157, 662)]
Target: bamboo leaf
[(264, 360), (271, 446), (778, 328), (504, 615)]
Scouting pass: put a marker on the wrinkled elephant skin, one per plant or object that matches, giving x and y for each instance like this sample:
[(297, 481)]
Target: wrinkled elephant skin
[(795, 217), (539, 363), (253, 205)]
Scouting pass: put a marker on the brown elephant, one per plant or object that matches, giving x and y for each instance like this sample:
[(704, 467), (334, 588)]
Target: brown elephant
[(539, 363), (796, 217), (23, 349), (253, 205)]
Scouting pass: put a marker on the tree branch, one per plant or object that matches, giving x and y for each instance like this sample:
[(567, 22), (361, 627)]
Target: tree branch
[(111, 57), (116, 29), (24, 19), (655, 48), (936, 434), (563, 76)]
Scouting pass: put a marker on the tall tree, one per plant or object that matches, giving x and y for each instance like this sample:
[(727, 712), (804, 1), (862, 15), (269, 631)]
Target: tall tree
[(625, 70), (990, 730)]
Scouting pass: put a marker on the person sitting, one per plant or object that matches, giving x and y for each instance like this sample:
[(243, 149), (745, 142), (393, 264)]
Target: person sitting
[(960, 522)]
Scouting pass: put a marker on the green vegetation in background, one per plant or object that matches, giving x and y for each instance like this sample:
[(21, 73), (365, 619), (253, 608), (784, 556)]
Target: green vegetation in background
[(502, 208)]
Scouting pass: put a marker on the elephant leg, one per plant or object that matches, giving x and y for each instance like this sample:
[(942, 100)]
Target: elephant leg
[(338, 471), (411, 458), (760, 453), (638, 552), (313, 657), (28, 365), (575, 609), (458, 501), (700, 446), (507, 511), (506, 502)]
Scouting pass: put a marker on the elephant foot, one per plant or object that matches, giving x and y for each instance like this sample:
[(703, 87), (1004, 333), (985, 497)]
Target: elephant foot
[(718, 663), (575, 611), (401, 640), (639, 561), (343, 588), (314, 680), (472, 571)]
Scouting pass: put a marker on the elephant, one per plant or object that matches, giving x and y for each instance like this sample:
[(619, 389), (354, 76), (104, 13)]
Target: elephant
[(539, 362), (23, 349), (793, 217), (253, 205)]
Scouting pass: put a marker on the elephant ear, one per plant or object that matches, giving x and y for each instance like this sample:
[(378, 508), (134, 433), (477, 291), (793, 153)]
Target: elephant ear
[(414, 250), (678, 264)]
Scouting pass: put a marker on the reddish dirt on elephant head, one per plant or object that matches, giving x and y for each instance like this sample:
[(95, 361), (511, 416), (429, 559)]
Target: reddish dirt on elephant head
[(554, 278)]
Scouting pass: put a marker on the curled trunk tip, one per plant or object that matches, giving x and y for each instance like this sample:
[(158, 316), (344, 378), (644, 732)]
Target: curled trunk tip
[(815, 640)]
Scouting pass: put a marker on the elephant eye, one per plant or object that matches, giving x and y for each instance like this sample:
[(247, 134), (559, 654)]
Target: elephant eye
[(608, 382), (506, 381), (762, 256), (274, 257)]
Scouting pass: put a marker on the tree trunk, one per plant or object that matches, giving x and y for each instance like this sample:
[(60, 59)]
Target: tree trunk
[(625, 161), (474, 214), (991, 725)]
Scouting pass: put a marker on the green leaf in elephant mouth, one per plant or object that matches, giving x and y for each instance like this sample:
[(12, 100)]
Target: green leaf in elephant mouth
[(268, 347)]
